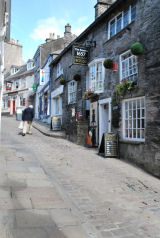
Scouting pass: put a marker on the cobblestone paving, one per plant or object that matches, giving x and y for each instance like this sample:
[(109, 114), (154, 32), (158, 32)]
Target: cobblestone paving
[(53, 188)]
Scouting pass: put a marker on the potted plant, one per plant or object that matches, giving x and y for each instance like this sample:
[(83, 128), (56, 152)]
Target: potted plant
[(62, 81), (125, 87), (137, 48), (108, 64), (89, 94), (77, 77)]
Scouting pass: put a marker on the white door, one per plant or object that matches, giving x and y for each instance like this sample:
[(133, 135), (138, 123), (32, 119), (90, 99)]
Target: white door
[(104, 117)]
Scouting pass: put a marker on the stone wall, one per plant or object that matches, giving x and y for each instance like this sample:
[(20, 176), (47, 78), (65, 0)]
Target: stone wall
[(12, 54)]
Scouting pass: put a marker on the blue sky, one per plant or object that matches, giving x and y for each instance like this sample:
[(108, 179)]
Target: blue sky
[(33, 20)]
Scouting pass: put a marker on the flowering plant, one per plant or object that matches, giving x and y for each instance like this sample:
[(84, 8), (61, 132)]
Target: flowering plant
[(125, 86)]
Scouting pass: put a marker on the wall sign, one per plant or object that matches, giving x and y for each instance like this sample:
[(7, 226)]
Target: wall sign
[(8, 85), (41, 77), (80, 55)]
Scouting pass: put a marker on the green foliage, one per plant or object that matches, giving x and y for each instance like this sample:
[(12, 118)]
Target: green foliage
[(125, 87), (137, 48), (108, 64), (62, 81)]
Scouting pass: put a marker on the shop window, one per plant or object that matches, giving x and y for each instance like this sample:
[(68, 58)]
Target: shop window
[(96, 76), (120, 21), (128, 67), (72, 91), (134, 119)]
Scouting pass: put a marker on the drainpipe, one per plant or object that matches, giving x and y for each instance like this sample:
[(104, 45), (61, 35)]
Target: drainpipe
[(50, 87)]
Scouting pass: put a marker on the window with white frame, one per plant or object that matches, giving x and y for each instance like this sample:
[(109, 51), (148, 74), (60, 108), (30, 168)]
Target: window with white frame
[(128, 67), (96, 76), (20, 100), (23, 83), (59, 70), (30, 65), (16, 84), (121, 21), (72, 91), (14, 70), (134, 119)]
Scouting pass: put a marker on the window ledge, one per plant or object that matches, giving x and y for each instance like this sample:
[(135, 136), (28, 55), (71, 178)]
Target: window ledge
[(131, 142), (119, 33)]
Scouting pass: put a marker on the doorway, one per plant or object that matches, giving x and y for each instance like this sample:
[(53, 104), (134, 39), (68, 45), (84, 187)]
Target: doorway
[(104, 117), (14, 107)]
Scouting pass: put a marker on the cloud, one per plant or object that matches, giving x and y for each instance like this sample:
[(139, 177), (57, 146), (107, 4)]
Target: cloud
[(46, 26), (57, 26)]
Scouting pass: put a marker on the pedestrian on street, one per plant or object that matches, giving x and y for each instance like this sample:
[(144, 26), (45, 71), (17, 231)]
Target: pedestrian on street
[(27, 118)]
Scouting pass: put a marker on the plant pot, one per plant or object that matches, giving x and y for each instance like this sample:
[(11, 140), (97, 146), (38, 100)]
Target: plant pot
[(108, 64), (137, 48), (77, 77)]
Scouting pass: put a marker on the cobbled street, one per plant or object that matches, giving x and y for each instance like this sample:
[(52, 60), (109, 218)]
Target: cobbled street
[(52, 188)]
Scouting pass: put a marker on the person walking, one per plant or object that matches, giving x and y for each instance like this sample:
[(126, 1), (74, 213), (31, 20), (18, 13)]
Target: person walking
[(27, 118)]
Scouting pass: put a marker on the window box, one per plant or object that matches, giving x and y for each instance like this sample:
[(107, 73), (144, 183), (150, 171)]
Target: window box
[(89, 94)]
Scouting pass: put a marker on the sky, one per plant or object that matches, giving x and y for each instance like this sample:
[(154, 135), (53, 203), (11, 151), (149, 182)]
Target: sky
[(33, 20)]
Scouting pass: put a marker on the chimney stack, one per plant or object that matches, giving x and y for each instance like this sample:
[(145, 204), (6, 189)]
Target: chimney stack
[(67, 29), (102, 6)]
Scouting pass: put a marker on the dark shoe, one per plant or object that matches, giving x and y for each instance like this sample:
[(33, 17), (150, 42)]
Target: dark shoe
[(23, 134)]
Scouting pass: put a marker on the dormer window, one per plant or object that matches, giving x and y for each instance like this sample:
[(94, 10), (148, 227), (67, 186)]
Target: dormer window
[(14, 70), (30, 65)]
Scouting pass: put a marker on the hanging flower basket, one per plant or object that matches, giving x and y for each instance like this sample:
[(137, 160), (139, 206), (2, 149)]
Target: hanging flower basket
[(62, 81), (137, 48), (126, 87), (108, 64), (77, 77), (89, 94)]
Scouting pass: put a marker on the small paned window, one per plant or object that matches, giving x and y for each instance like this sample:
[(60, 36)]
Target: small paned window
[(121, 20), (16, 84), (72, 91), (128, 67), (96, 76), (21, 100), (134, 119)]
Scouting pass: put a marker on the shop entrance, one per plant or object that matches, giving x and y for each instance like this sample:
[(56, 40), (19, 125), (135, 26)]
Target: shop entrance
[(104, 117), (14, 107)]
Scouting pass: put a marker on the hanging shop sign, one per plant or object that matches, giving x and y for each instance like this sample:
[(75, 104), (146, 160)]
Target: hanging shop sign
[(80, 55), (34, 87), (41, 77), (8, 85)]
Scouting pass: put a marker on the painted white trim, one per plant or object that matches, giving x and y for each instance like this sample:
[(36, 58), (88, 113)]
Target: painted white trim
[(101, 102), (123, 119)]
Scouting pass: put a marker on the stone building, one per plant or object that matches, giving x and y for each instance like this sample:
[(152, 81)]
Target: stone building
[(18, 88), (124, 95), (53, 46), (12, 54)]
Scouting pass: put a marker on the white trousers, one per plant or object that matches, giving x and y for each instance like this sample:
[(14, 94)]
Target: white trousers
[(25, 125)]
